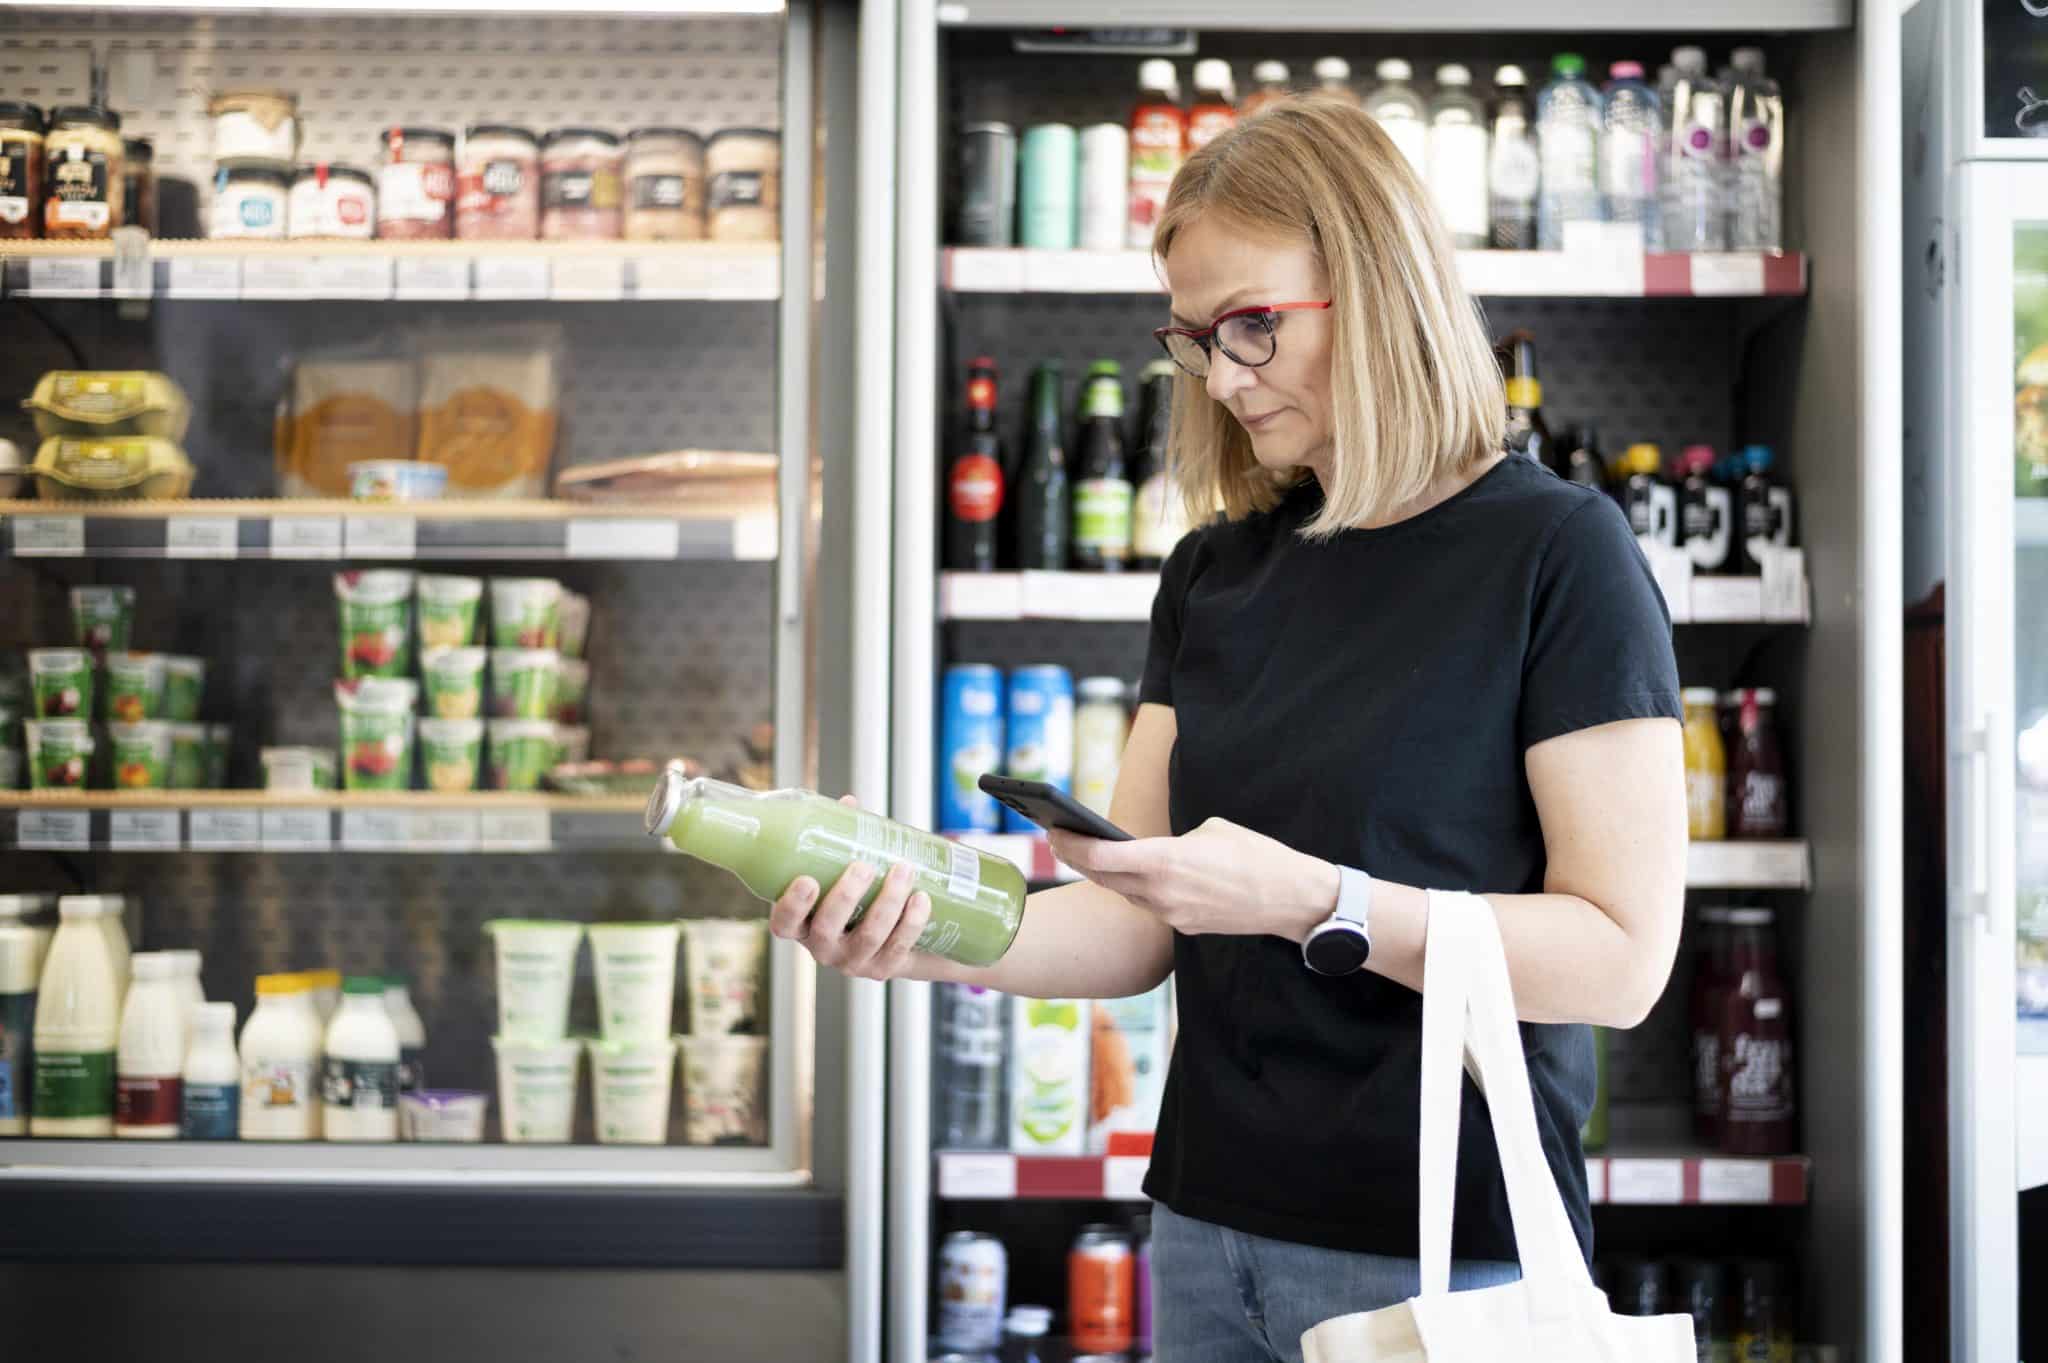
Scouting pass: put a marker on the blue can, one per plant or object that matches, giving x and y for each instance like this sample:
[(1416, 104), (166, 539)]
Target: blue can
[(970, 743), (1041, 733), (1048, 194)]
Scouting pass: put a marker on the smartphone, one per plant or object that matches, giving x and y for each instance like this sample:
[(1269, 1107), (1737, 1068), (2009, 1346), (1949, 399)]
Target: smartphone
[(1050, 807)]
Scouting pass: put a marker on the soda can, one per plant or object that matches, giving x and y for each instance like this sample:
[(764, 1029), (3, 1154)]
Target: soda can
[(970, 743), (1105, 186), (974, 1279), (1102, 1291), (1041, 733), (1046, 182), (988, 185)]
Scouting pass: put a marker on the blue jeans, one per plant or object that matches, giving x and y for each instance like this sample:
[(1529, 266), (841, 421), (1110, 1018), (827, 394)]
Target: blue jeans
[(1222, 1296)]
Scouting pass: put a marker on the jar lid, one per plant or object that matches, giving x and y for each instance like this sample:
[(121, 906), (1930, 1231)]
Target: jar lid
[(441, 135), (274, 102), (91, 114), (249, 168), (1002, 128), (683, 133), (501, 130), (554, 135), (19, 113), (768, 133), (138, 149), (312, 170)]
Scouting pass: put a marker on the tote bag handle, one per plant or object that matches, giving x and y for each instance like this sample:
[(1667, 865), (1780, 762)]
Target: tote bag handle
[(1468, 1016)]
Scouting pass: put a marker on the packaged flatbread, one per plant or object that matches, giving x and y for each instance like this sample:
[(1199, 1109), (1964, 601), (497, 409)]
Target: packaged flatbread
[(488, 415), (338, 411)]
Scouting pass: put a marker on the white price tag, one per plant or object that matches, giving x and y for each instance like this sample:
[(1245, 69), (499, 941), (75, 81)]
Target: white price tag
[(598, 279), (972, 269), (201, 536), (511, 277), (297, 830), (285, 277), (754, 539), (352, 276), (1726, 274), (594, 537), (225, 830), (143, 830), (1646, 1182), (49, 536), (1672, 570), (431, 278), (444, 830), (970, 1177), (513, 830), (375, 830), (1596, 1181), (54, 830), (381, 537), (1735, 1180), (305, 537), (1785, 591), (1123, 1177), (64, 276), (694, 272), (205, 277)]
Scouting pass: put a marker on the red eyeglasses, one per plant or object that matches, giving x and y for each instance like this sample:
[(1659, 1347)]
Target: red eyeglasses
[(1244, 334)]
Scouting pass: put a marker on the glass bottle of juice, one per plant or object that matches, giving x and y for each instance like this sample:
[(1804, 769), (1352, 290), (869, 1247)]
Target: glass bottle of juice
[(769, 838), (1706, 768), (1755, 1049), (1159, 143)]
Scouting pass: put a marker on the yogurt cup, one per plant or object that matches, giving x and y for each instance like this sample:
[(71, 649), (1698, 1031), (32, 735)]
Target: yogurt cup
[(524, 682), (219, 743), (397, 480), (135, 687), (536, 973), (572, 743), (726, 958), (572, 690), (525, 612), (104, 617), (575, 624), (636, 979), (188, 756), (724, 1080), (447, 610), (59, 753), (453, 679), (520, 751), (442, 1115), (449, 752), (142, 754), (537, 1089), (184, 687), (376, 622), (376, 732), (298, 770), (62, 679), (629, 1086)]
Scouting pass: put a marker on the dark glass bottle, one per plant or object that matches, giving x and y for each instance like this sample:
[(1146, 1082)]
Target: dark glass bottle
[(1757, 1083), (1042, 494), (1159, 519), (1583, 463), (1706, 512), (974, 479), (1102, 490), (1527, 433)]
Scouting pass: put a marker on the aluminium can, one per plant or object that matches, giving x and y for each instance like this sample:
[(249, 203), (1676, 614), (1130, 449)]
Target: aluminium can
[(988, 185)]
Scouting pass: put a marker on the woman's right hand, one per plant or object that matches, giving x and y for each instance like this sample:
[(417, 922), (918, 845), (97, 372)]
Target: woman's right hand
[(876, 948)]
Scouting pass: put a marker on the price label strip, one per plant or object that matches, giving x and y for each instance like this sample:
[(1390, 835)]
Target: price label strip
[(53, 830), (1646, 1182), (375, 830), (225, 830), (64, 276), (973, 1177), (205, 277), (201, 536), (305, 537), (382, 537), (277, 277), (49, 536), (297, 830), (623, 538), (143, 830), (513, 830), (444, 830)]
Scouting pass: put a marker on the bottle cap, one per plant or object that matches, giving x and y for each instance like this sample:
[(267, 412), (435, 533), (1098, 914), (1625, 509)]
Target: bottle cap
[(212, 1017), (666, 799), (1751, 918), (1213, 73), (1689, 59), (1626, 71), (1509, 75), (186, 959), (1763, 695), (1029, 1321), (1450, 73), (1393, 68), (1159, 367), (73, 906), (394, 982), (1105, 368), (1642, 458), (1748, 60), (1758, 457), (152, 965), (1275, 73), (1715, 915), (369, 986), (1329, 69), (1697, 695), (1696, 458), (1101, 688), (1568, 65), (1158, 74), (276, 986)]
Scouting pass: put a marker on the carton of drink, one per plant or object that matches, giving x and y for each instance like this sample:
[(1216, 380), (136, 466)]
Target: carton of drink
[(1049, 1076), (1128, 1050)]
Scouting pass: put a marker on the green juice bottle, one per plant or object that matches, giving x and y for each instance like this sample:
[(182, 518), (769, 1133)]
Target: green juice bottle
[(769, 838)]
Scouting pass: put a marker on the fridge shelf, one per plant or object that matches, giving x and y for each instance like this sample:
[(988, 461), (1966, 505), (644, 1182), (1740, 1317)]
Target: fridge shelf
[(1596, 271), (396, 271), (731, 524)]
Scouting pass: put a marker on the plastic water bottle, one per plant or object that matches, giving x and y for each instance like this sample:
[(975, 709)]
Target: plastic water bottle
[(1457, 157), (1513, 169), (1396, 107), (1568, 135), (1696, 203), (1629, 123), (1756, 139)]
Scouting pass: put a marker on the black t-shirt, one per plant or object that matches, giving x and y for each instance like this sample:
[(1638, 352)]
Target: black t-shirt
[(1368, 700)]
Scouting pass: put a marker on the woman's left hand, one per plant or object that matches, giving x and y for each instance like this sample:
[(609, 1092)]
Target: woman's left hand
[(1218, 878)]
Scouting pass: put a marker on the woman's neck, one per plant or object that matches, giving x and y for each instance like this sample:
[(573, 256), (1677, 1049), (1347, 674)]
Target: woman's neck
[(1445, 487)]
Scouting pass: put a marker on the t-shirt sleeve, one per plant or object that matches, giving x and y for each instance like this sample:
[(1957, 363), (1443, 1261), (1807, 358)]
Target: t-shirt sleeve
[(1599, 634), (1156, 686)]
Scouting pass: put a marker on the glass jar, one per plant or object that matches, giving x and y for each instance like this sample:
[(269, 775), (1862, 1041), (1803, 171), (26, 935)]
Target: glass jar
[(580, 175), (743, 193), (498, 187), (337, 202), (249, 201), (82, 172), (255, 125), (138, 183), (21, 169), (664, 185), (416, 185), (1706, 770)]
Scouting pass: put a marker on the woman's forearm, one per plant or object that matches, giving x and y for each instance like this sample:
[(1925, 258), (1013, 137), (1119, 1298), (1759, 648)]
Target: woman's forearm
[(1079, 941)]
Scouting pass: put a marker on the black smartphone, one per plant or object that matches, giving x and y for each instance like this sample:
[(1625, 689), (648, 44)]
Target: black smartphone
[(1050, 807)]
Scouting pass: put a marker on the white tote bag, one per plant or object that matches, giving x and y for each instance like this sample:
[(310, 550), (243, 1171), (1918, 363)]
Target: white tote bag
[(1554, 1314)]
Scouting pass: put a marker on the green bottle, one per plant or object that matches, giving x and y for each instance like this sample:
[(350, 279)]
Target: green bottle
[(769, 838)]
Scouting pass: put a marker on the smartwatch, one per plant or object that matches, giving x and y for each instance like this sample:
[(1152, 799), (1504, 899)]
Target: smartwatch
[(1341, 944)]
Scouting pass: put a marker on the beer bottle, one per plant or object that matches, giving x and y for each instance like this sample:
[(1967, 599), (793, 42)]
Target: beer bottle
[(1102, 491), (1527, 434), (974, 478), (1159, 518), (1042, 492)]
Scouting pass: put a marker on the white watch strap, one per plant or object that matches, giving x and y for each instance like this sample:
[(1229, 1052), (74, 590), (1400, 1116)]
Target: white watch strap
[(1354, 898)]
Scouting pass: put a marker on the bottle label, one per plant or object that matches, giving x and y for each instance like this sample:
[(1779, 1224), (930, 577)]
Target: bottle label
[(1761, 807), (1697, 143), (17, 1052), (1158, 520), (1755, 139), (736, 189), (1102, 516), (77, 181), (1156, 143), (1208, 123), (1516, 170), (274, 1085), (974, 1027), (1706, 793), (74, 1084), (212, 1112), (16, 189), (414, 191), (939, 868), (1759, 1079), (1524, 392), (412, 1069), (656, 192), (975, 489), (1570, 156), (1706, 1072), (147, 1100), (366, 1085), (1629, 165)]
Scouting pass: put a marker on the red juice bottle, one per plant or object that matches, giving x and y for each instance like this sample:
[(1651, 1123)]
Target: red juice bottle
[(1756, 1042)]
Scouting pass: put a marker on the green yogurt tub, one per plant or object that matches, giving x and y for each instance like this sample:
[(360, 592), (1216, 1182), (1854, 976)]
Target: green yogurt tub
[(142, 754), (59, 753), (447, 610), (526, 612), (188, 756), (376, 622), (298, 770), (135, 687), (62, 679), (452, 680), (449, 751), (521, 751), (184, 687), (524, 682), (104, 617), (376, 732)]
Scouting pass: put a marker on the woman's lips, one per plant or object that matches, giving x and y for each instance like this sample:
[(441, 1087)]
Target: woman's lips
[(1260, 422)]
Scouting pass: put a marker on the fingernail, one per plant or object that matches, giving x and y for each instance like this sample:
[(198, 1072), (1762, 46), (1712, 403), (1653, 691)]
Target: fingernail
[(900, 872), (806, 891)]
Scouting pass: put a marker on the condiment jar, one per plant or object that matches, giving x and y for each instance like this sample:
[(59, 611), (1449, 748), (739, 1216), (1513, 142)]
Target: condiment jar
[(743, 196), (249, 200), (332, 201), (254, 125), (664, 185), (416, 185), (21, 170), (580, 174), (82, 173), (498, 189), (138, 183)]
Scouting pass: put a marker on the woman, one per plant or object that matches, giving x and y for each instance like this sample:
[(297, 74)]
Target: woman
[(1400, 661)]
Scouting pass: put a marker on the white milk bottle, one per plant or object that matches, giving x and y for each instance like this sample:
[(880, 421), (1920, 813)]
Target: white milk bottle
[(78, 1028), (18, 911), (110, 922), (412, 1034), (213, 1075), (150, 1065), (281, 1063), (1458, 156), (21, 957), (359, 1077), (191, 993)]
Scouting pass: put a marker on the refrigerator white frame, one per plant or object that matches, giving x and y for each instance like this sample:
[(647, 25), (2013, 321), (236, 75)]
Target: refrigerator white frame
[(1966, 123)]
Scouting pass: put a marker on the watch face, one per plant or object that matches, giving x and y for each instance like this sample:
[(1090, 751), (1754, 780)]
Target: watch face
[(1336, 949)]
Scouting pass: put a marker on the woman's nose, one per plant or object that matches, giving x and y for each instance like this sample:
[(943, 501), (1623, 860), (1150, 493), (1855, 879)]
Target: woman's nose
[(1226, 376)]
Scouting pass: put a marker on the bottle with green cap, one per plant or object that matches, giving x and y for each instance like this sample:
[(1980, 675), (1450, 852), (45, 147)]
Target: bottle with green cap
[(1102, 491), (1568, 141), (769, 838), (359, 1074)]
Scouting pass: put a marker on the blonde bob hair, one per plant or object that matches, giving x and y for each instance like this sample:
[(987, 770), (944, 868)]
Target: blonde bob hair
[(1415, 389)]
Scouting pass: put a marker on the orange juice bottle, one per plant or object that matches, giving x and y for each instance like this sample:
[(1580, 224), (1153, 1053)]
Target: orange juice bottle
[(1706, 767)]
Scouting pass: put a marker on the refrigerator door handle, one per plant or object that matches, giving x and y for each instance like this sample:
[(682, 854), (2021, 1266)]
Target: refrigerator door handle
[(1970, 758)]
